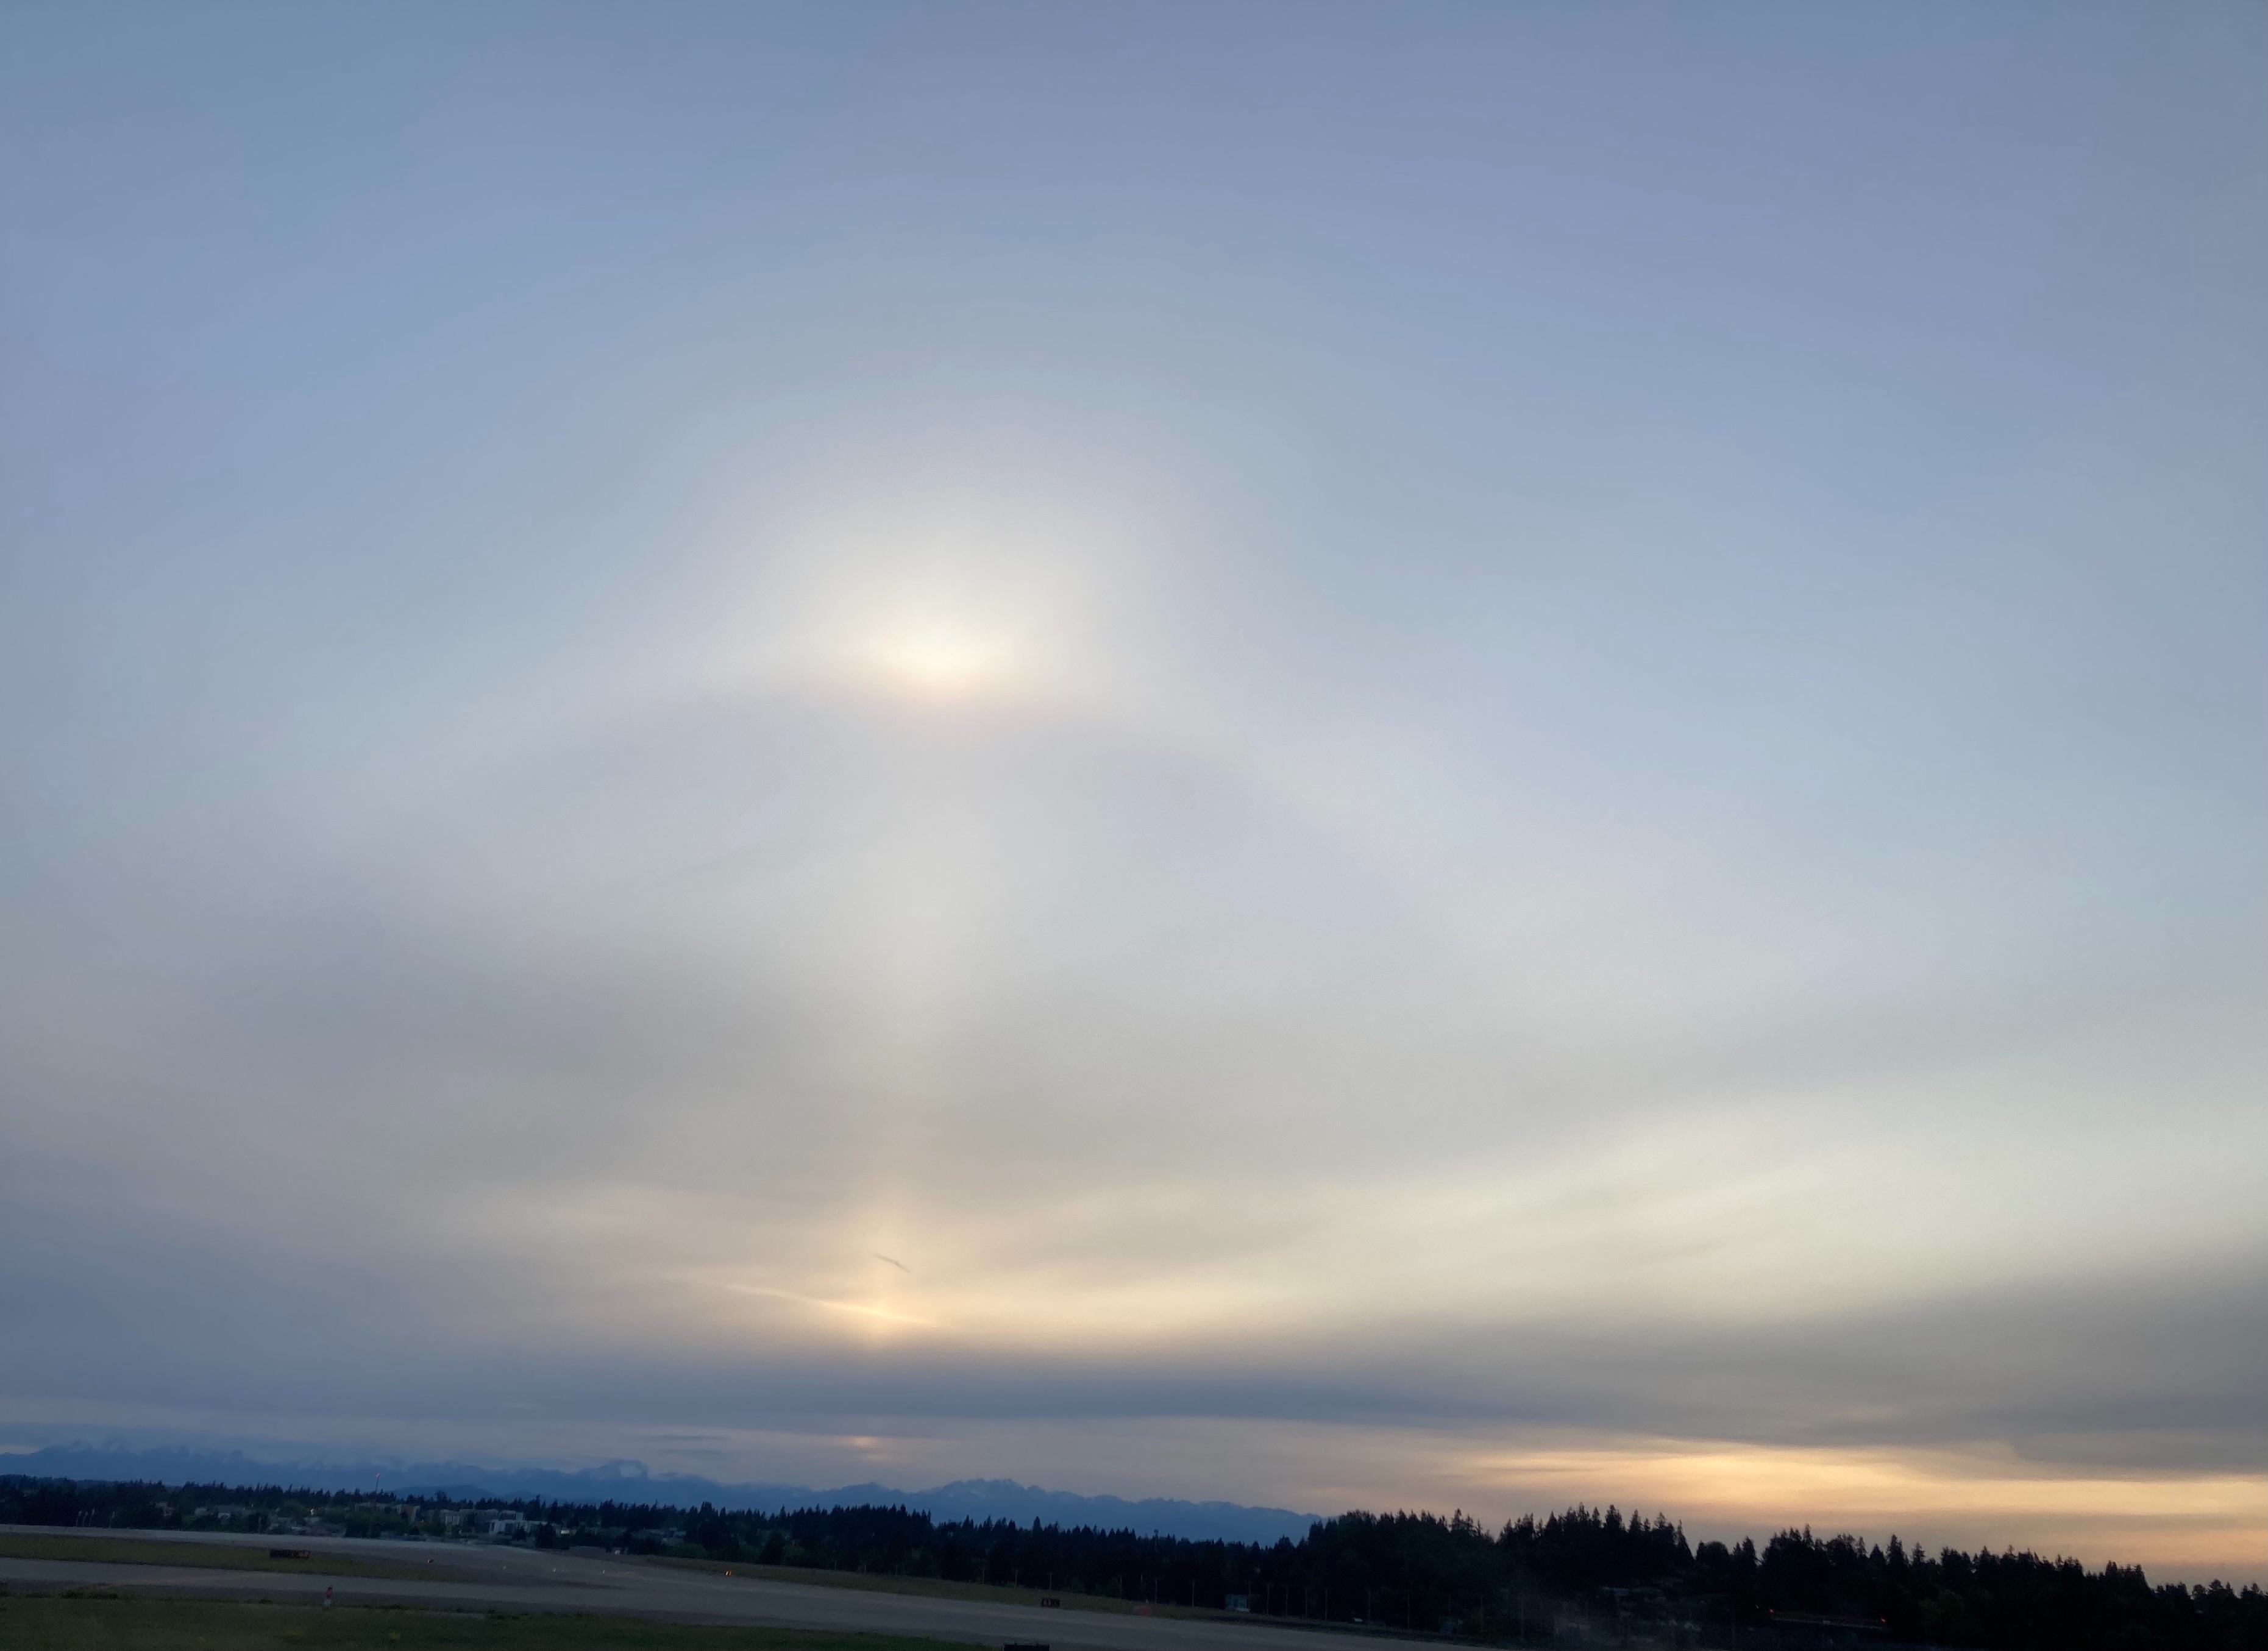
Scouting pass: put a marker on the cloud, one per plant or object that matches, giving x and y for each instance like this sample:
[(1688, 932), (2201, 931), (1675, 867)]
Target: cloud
[(1390, 848)]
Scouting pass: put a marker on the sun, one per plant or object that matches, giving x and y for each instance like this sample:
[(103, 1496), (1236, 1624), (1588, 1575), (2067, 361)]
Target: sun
[(942, 651), (935, 660), (961, 606)]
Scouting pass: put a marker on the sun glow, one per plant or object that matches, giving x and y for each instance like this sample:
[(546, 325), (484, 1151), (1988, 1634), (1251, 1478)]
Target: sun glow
[(940, 600), (937, 660), (857, 1308)]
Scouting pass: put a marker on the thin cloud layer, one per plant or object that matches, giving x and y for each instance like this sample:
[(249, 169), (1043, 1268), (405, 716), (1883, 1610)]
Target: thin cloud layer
[(1406, 817)]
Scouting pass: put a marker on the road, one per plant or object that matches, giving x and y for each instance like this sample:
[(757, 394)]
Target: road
[(529, 1579)]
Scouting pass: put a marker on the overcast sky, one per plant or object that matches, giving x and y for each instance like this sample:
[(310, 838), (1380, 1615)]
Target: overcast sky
[(1326, 756)]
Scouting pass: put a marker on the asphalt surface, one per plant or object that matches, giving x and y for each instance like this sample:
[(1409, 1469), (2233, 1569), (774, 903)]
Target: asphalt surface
[(498, 1578)]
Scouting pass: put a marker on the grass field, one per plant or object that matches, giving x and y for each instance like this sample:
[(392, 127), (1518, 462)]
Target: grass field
[(213, 1556), (931, 1588), (53, 1623)]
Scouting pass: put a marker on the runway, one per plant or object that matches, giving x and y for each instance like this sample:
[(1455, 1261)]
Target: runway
[(500, 1578)]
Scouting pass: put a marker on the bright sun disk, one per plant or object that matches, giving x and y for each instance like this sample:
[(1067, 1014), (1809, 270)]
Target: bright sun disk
[(937, 662)]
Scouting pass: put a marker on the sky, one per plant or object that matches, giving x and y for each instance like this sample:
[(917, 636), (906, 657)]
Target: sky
[(1318, 756)]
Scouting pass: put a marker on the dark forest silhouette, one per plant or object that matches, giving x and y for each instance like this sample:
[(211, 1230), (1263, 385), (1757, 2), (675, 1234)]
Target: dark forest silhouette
[(1520, 1584)]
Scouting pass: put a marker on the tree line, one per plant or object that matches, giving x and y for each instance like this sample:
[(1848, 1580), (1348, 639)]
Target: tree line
[(1532, 1581)]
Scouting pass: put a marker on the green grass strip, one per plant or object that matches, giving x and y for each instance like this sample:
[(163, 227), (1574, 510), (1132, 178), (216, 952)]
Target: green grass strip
[(933, 1587), (55, 1623), (216, 1556)]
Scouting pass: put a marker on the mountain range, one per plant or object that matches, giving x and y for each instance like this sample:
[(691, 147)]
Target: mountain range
[(628, 1481)]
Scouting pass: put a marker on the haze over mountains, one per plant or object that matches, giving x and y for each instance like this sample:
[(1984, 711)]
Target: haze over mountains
[(630, 1481)]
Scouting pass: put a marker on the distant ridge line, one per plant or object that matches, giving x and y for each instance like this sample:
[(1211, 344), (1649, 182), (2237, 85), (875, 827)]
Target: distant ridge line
[(627, 1480)]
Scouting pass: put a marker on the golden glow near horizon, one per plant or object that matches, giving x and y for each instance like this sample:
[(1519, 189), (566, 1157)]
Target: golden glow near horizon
[(864, 1311)]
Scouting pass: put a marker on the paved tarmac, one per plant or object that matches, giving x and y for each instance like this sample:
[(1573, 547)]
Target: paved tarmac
[(503, 1578)]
